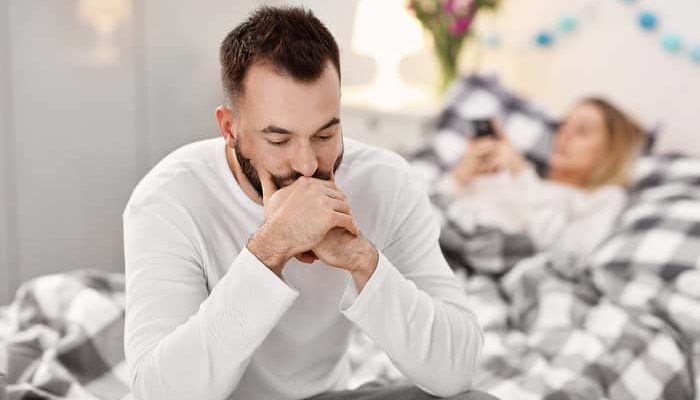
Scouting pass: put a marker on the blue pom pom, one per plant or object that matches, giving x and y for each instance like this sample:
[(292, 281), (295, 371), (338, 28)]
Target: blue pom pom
[(492, 40), (695, 54), (544, 39), (568, 24), (648, 21), (672, 43)]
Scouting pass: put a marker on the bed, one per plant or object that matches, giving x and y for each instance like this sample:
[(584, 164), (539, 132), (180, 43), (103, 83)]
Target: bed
[(622, 324)]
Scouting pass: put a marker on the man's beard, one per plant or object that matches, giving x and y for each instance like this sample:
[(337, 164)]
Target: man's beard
[(280, 181)]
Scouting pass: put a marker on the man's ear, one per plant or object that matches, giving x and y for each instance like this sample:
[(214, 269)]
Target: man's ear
[(227, 125)]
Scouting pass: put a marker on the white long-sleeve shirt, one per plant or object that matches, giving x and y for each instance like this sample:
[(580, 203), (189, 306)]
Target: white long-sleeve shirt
[(555, 216), (206, 319)]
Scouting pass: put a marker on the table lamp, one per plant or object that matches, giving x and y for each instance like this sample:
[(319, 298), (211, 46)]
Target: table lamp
[(387, 32)]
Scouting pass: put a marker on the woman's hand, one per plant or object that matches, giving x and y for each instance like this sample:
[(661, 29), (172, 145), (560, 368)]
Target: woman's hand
[(507, 157), (477, 160), (487, 156)]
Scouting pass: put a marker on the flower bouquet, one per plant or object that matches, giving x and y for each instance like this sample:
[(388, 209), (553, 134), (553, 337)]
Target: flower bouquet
[(449, 22)]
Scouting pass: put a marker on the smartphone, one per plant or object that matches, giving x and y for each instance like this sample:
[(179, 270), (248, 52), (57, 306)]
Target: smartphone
[(483, 128)]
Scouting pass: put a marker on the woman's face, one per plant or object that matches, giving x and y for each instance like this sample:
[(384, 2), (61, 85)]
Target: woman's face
[(581, 143)]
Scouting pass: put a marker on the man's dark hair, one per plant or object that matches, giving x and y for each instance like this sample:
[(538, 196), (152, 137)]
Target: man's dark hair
[(292, 39)]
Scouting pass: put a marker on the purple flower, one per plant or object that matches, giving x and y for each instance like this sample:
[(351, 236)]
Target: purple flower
[(450, 6), (462, 7), (461, 25)]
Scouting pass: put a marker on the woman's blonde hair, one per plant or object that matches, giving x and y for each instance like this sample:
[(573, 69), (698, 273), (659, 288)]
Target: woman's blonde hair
[(626, 141)]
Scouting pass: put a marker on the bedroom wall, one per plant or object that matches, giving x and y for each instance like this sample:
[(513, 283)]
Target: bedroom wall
[(75, 146), (5, 161), (609, 55)]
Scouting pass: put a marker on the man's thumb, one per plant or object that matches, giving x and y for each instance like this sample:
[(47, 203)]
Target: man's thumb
[(268, 184)]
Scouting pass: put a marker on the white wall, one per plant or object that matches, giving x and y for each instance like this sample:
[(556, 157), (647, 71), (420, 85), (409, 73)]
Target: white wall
[(5, 157), (76, 141), (181, 68), (610, 55)]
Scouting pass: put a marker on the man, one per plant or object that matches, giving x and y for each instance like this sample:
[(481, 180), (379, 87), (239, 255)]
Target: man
[(250, 260)]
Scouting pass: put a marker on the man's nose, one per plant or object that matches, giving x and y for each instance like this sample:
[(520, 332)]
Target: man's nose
[(305, 161)]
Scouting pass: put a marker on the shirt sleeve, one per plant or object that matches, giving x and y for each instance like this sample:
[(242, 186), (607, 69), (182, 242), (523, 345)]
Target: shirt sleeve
[(181, 341), (413, 307)]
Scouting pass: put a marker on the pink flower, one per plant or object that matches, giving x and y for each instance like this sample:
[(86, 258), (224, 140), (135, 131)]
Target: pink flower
[(450, 6), (461, 7), (461, 25)]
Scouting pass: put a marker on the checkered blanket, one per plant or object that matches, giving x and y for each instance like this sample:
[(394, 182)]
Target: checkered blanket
[(492, 249), (621, 324), (551, 332), (63, 338)]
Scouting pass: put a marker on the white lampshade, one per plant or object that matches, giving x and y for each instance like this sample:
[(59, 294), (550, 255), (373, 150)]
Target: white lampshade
[(385, 31), (385, 27), (103, 16)]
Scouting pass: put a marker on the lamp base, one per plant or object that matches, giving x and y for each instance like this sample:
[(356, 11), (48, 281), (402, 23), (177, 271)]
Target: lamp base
[(392, 97)]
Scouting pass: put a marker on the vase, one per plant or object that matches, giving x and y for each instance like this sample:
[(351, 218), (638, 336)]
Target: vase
[(446, 51), (448, 73)]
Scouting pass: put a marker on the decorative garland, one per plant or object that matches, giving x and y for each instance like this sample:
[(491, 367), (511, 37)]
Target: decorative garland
[(568, 24)]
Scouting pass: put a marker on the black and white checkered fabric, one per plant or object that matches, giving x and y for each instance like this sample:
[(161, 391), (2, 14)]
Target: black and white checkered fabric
[(63, 338), (651, 262), (528, 126), (660, 229), (622, 324), (486, 249)]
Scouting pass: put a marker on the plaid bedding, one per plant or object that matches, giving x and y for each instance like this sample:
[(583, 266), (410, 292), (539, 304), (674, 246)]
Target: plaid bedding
[(63, 338), (621, 324), (624, 324)]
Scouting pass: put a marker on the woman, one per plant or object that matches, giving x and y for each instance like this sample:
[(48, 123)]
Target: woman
[(572, 209)]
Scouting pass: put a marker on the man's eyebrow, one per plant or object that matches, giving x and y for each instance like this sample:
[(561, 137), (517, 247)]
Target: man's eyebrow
[(283, 131), (333, 121), (275, 129)]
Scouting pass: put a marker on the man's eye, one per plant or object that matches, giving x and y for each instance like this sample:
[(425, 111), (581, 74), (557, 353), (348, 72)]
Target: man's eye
[(324, 137), (277, 143)]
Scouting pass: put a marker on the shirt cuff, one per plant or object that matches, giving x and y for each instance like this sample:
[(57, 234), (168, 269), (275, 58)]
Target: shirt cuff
[(259, 274), (354, 304)]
